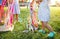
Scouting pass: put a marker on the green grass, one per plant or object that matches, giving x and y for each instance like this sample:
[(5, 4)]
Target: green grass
[(19, 27), (55, 12)]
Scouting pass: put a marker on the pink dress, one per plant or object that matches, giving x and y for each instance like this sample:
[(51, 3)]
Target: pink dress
[(11, 11), (33, 16)]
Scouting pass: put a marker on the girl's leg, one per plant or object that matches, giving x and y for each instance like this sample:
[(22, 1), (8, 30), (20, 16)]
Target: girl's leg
[(17, 17), (52, 33), (11, 27), (10, 22), (46, 25), (14, 19), (43, 27)]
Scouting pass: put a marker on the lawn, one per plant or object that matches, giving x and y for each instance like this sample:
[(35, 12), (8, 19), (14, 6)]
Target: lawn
[(19, 27)]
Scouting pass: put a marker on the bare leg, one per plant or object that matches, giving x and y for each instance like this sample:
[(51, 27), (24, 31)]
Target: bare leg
[(45, 24), (17, 17), (14, 18), (43, 27)]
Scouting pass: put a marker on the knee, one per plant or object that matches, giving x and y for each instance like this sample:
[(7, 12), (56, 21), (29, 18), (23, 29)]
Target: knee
[(44, 23)]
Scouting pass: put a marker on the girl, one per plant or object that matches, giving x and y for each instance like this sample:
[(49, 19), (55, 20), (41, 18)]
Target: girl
[(34, 22), (44, 16), (9, 17), (32, 19), (16, 9), (2, 4)]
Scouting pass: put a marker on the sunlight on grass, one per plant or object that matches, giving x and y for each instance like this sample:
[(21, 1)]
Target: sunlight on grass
[(55, 13)]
